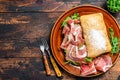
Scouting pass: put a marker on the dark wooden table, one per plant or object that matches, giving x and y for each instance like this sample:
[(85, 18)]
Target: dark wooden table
[(22, 24)]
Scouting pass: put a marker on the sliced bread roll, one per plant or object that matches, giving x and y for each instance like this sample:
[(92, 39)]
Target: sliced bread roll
[(95, 34)]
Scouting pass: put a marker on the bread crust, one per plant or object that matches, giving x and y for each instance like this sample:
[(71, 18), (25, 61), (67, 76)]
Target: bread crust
[(93, 25)]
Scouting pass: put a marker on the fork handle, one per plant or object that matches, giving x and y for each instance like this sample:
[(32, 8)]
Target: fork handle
[(46, 65), (55, 67)]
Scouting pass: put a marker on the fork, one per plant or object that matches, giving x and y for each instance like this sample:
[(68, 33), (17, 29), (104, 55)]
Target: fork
[(42, 48), (58, 72)]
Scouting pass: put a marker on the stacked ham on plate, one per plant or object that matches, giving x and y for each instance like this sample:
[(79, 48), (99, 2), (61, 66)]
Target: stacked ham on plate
[(75, 48), (102, 63), (73, 41)]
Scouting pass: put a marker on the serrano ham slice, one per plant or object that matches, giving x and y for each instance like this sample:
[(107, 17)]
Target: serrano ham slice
[(103, 63), (66, 30), (74, 53), (67, 40), (87, 69)]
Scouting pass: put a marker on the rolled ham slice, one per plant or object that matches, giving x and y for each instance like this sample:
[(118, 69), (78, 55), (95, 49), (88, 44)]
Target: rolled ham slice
[(66, 30), (87, 69), (103, 63), (67, 40), (74, 53)]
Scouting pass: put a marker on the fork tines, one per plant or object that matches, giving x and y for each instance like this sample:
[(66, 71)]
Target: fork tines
[(45, 43)]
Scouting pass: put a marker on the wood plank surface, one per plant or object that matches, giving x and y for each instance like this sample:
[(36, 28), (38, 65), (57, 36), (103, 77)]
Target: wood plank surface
[(33, 69), (24, 69), (22, 24), (44, 5), (20, 33)]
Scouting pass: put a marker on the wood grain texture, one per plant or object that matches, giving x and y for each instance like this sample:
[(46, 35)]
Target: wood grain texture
[(20, 33), (48, 71), (44, 5), (23, 69), (22, 24)]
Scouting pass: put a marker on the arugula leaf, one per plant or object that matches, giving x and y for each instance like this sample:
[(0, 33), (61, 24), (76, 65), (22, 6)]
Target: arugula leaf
[(65, 51), (114, 42), (65, 21), (75, 16), (72, 62), (88, 59), (111, 31)]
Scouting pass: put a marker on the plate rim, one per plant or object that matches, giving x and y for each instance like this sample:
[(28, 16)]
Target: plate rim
[(52, 31)]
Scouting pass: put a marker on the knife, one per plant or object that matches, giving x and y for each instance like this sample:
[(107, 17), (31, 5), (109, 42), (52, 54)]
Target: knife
[(57, 70)]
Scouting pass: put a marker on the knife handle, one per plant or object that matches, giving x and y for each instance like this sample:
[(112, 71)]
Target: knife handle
[(46, 65), (55, 67)]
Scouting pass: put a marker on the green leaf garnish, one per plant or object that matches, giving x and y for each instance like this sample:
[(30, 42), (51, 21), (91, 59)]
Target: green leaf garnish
[(65, 21), (113, 5), (75, 16), (111, 31), (65, 51), (72, 62), (88, 59), (114, 42)]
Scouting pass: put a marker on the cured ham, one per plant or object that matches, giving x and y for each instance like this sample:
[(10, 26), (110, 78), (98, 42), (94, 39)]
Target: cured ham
[(74, 53), (72, 41), (103, 63), (82, 52), (71, 52), (87, 69), (73, 21), (66, 30), (67, 40), (77, 33)]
